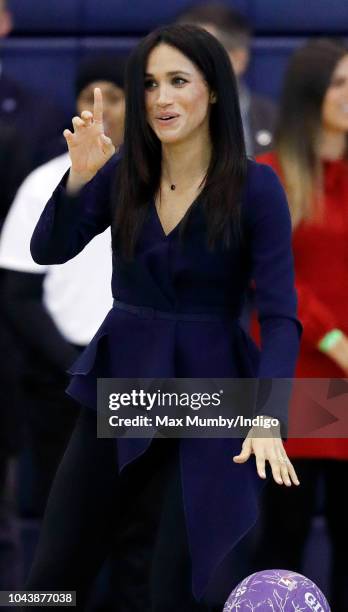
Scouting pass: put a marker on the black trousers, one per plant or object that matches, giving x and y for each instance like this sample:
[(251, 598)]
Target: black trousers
[(287, 516), (50, 415), (10, 544), (136, 517)]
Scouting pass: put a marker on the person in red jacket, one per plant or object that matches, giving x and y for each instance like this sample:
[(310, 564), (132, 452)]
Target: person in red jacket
[(311, 159)]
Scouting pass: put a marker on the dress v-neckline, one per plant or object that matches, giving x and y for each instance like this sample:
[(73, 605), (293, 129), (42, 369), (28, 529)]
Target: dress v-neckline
[(196, 201)]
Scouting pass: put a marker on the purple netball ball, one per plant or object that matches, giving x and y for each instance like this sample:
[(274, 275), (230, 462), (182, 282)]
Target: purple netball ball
[(276, 591)]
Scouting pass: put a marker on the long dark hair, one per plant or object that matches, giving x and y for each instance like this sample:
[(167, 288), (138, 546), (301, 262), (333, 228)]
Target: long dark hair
[(138, 178), (307, 79)]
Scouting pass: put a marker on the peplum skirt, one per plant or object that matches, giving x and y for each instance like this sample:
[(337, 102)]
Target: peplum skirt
[(220, 497)]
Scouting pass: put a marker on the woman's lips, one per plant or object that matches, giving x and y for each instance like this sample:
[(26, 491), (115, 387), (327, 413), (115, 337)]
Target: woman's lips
[(166, 121)]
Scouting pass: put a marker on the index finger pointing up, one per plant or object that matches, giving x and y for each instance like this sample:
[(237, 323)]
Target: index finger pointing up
[(98, 106)]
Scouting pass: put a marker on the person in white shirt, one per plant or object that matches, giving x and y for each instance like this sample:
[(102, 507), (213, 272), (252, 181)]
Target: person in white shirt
[(55, 310)]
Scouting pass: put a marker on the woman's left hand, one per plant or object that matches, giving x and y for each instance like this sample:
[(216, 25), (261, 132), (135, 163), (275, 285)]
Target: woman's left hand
[(267, 445)]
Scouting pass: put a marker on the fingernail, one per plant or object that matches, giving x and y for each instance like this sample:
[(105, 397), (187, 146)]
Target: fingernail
[(263, 474)]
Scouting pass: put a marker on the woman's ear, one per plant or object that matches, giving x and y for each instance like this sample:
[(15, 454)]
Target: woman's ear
[(213, 98)]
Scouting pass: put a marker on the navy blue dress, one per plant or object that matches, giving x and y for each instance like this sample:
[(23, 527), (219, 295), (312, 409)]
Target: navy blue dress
[(220, 497)]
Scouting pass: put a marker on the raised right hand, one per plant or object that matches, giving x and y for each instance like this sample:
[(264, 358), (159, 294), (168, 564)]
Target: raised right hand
[(89, 148)]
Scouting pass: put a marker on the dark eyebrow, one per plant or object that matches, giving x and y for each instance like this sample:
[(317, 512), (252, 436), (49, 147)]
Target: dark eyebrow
[(172, 73)]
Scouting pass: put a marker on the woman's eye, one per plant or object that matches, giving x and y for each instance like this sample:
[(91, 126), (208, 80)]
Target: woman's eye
[(149, 84), (179, 81)]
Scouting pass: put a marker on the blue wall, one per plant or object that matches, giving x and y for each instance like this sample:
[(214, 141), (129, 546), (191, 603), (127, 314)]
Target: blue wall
[(50, 38)]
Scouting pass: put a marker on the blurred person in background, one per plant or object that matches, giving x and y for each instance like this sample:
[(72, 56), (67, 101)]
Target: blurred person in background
[(311, 158), (234, 32), (13, 169), (14, 166), (27, 120), (37, 119), (54, 311)]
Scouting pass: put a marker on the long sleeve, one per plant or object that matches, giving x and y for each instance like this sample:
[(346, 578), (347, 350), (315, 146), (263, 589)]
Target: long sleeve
[(317, 319), (272, 269), (68, 222)]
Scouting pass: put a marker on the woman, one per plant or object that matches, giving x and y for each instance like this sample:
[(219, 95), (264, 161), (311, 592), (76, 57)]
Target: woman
[(311, 157), (184, 186)]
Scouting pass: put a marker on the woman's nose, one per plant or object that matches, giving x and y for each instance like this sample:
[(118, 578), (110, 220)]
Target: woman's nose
[(164, 94)]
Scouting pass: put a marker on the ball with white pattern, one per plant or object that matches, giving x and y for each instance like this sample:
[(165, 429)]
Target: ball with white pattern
[(276, 590)]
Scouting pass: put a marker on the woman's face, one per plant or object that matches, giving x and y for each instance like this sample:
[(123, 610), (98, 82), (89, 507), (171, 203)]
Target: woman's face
[(113, 105), (177, 97), (335, 105)]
